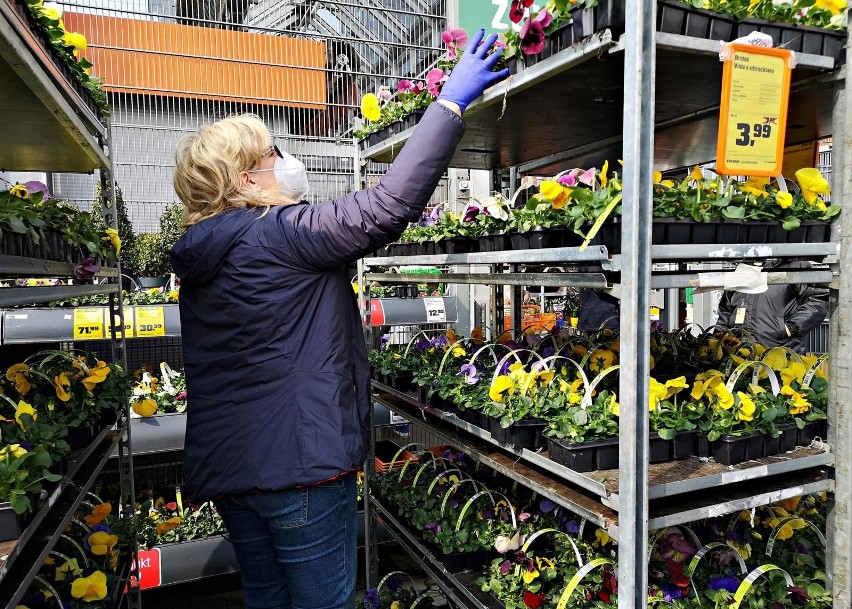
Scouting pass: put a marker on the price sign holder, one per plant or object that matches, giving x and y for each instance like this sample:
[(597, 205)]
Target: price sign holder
[(89, 324), (435, 310), (150, 321), (112, 329), (753, 116)]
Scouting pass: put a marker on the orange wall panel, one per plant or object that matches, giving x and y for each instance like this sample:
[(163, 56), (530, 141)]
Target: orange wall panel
[(167, 59)]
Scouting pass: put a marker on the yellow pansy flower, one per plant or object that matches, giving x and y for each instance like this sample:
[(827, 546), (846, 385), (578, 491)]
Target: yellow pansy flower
[(20, 191), (675, 385), (15, 450), (793, 372), (747, 407), (168, 525), (62, 384), (458, 351), (798, 403), (500, 387), (614, 406), (74, 39), (89, 589), (604, 171), (835, 7), (102, 542), (24, 408), (113, 238), (776, 359), (656, 392), (15, 370), (784, 199), (146, 407), (99, 513), (529, 576), (395, 605), (370, 107), (602, 537), (600, 360), (70, 567), (696, 174), (555, 192), (97, 374), (812, 184), (755, 186)]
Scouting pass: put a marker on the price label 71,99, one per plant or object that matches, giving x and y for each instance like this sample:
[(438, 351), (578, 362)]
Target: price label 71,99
[(753, 116)]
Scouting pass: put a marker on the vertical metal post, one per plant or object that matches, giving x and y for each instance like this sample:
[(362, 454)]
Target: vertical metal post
[(839, 550), (371, 545), (119, 356), (639, 69)]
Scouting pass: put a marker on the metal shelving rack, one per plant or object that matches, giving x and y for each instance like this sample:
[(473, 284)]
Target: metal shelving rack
[(51, 126), (635, 501)]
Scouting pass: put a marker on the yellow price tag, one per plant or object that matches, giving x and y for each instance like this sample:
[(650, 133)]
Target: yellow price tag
[(88, 324), (128, 322), (150, 321), (753, 116)]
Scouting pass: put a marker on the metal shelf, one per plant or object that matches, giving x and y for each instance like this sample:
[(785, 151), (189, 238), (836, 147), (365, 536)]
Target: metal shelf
[(32, 267), (160, 434), (599, 253), (10, 297), (707, 481), (53, 128), (27, 555), (449, 584), (40, 324), (686, 117), (411, 311)]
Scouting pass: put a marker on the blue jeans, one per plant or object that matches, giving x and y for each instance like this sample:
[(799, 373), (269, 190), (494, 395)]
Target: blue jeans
[(296, 548)]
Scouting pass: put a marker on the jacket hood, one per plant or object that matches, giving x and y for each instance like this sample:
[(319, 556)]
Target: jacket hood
[(204, 247)]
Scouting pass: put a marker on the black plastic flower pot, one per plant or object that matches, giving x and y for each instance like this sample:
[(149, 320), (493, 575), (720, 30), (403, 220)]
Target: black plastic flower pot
[(817, 231), (801, 39), (430, 248), (11, 524), (498, 433), (680, 18), (527, 433), (520, 241), (703, 233), (494, 602), (440, 247), (501, 241), (570, 238), (757, 232), (789, 435), (541, 238), (730, 450), (580, 456), (486, 243), (454, 562), (776, 234), (659, 449), (771, 446), (732, 231), (476, 560), (754, 447), (422, 394), (460, 245), (608, 14), (606, 454), (678, 232), (403, 382), (80, 436), (703, 448), (563, 37), (475, 418), (684, 444)]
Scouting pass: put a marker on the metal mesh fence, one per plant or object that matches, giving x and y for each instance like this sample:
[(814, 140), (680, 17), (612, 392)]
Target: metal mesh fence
[(301, 66)]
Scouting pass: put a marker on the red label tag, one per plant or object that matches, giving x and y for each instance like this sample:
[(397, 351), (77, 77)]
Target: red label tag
[(377, 312), (150, 573)]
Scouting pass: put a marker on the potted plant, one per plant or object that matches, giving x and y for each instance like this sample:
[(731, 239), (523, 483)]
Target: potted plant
[(150, 259)]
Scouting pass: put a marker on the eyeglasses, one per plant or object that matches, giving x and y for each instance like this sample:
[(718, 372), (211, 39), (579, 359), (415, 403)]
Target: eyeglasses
[(266, 154)]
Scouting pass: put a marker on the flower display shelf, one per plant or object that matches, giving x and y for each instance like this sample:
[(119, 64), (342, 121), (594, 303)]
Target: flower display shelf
[(33, 267), (701, 486), (39, 324), (459, 588), (10, 297), (57, 126), (21, 560), (591, 75)]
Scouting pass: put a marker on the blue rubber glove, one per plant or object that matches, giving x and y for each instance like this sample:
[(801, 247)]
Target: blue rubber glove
[(472, 74)]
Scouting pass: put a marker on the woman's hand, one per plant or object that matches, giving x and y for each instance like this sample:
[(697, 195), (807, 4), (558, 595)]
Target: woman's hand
[(473, 73)]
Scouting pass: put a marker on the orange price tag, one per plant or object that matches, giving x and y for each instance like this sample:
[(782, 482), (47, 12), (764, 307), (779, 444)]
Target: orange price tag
[(753, 116)]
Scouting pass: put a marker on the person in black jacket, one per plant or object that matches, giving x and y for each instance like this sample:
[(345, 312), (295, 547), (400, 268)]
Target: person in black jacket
[(779, 317), (274, 354)]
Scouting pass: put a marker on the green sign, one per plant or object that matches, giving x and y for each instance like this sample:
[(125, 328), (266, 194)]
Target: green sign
[(493, 15)]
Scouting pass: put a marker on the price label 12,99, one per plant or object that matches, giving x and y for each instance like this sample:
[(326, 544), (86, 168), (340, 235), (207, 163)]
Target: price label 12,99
[(753, 116)]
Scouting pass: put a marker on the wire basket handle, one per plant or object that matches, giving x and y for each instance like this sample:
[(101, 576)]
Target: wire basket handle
[(770, 544), (423, 467), (577, 556), (512, 353), (387, 578), (490, 495), (445, 473), (710, 547), (454, 488), (575, 581), (770, 373), (752, 577)]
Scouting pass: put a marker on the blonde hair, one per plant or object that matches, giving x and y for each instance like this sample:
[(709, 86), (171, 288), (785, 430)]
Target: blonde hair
[(208, 165)]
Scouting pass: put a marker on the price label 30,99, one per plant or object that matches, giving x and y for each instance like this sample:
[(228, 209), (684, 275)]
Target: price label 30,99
[(753, 117), (150, 321)]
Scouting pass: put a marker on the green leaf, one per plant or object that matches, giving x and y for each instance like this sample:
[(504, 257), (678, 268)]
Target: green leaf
[(723, 202), (713, 435), (17, 225), (666, 434), (790, 223), (734, 212)]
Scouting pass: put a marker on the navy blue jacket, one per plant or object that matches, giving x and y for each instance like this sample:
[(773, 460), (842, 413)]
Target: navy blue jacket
[(274, 352)]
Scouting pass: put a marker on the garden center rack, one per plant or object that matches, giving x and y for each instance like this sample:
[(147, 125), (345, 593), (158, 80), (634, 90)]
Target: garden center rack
[(648, 96), (52, 124)]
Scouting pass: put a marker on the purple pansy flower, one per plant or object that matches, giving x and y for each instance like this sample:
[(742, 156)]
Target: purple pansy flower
[(487, 514), (724, 583), (404, 86), (86, 269), (471, 377), (371, 599), (181, 396), (567, 179), (434, 527), (798, 595), (35, 186), (470, 213), (546, 506), (802, 548), (524, 516), (453, 502), (573, 527), (454, 38), (505, 567)]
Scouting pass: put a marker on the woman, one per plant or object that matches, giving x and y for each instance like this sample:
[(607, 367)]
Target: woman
[(273, 348)]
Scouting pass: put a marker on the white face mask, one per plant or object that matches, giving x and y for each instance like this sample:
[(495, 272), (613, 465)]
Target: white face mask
[(292, 177)]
